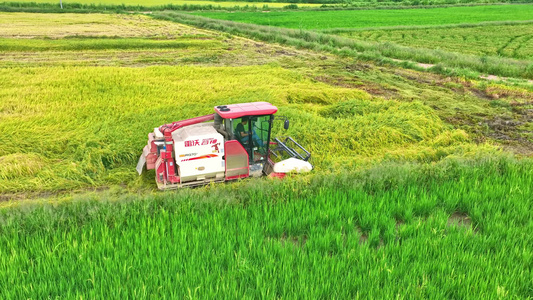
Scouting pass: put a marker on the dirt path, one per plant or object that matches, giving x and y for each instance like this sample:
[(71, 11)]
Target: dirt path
[(487, 77)]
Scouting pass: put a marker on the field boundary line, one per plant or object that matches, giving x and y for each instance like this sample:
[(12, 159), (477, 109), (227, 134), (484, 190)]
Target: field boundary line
[(419, 27)]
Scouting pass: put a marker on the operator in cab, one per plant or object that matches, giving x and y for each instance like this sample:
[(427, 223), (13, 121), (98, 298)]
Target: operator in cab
[(243, 133)]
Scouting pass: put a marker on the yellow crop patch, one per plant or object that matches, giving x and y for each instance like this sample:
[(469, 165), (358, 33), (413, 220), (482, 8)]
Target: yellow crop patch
[(92, 122)]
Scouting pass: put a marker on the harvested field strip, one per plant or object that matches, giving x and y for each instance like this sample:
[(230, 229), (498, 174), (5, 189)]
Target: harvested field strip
[(110, 57), (76, 44), (374, 234), (54, 26), (119, 40)]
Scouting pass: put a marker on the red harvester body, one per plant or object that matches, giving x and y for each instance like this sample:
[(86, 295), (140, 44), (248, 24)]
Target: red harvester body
[(235, 145)]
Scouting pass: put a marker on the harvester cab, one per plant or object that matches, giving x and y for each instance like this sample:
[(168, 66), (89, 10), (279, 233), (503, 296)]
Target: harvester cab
[(234, 142)]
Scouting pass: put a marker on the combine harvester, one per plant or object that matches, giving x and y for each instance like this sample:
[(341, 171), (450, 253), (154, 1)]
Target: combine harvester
[(235, 145)]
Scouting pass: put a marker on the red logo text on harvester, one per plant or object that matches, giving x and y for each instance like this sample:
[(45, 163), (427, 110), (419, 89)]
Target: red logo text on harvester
[(193, 143), (200, 157)]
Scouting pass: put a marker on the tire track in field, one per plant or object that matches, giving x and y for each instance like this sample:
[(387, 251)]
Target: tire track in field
[(486, 77), (515, 51), (512, 39)]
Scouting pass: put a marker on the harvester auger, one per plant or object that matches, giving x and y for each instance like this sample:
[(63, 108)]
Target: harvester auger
[(230, 144)]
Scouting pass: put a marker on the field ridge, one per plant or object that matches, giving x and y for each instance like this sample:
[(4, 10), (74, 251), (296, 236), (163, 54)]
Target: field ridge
[(440, 26)]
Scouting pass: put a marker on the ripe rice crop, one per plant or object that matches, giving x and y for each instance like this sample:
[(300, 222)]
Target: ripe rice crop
[(92, 123), (454, 230)]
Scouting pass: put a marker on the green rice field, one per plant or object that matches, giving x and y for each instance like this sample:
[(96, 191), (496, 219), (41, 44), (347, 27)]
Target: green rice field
[(378, 18), (392, 231), (510, 40), (493, 40), (421, 185)]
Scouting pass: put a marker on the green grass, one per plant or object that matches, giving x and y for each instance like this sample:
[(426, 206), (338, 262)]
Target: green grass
[(455, 230), (376, 18), (510, 40)]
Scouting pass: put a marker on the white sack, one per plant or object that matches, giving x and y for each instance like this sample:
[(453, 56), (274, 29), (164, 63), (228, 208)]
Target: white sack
[(292, 165)]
